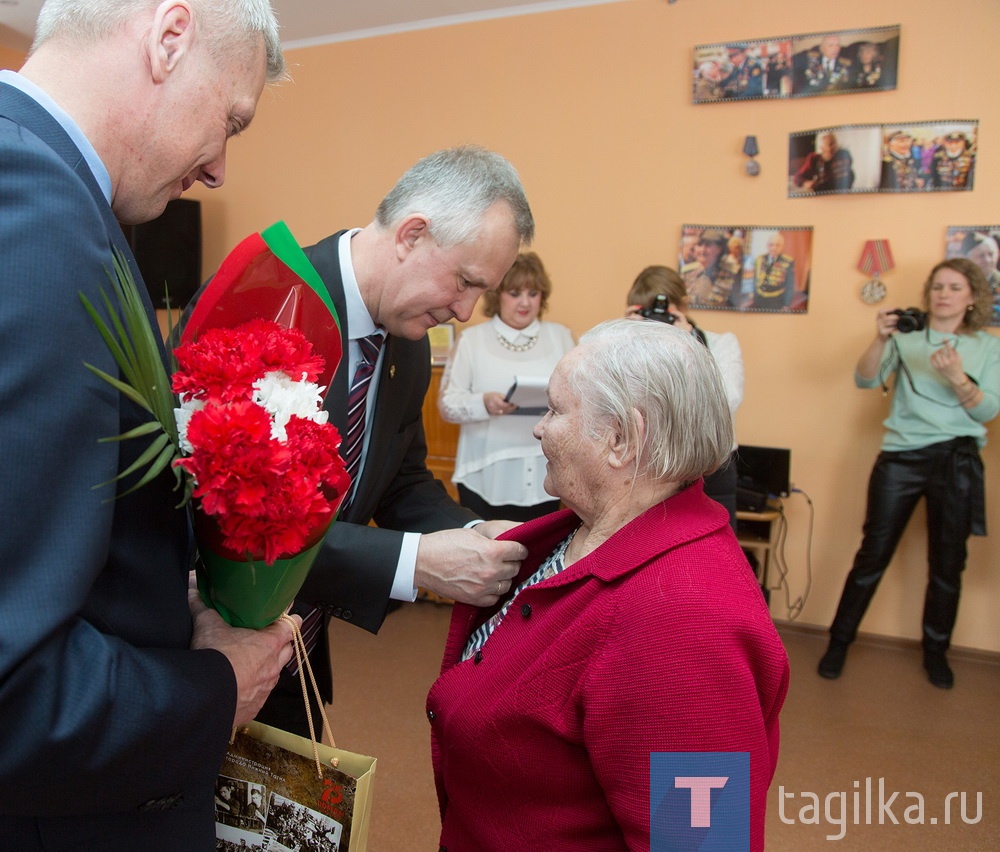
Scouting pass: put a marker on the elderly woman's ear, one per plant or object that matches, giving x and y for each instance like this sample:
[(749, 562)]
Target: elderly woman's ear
[(624, 450)]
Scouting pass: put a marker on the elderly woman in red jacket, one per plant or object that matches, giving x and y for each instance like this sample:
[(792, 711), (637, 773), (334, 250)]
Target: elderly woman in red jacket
[(635, 625)]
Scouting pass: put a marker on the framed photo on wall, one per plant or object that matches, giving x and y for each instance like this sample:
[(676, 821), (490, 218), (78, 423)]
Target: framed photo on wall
[(981, 245), (920, 156), (838, 62), (442, 339), (848, 61), (750, 269)]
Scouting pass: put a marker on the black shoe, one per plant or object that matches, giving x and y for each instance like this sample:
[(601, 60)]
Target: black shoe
[(832, 663), (938, 671)]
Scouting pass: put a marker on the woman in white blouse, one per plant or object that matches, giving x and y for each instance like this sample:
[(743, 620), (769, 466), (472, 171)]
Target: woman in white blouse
[(656, 281), (499, 466)]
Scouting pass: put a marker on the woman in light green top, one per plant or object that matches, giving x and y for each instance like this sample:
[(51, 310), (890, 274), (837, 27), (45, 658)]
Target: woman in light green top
[(947, 387)]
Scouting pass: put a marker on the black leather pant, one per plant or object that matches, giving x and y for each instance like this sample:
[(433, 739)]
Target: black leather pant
[(946, 476)]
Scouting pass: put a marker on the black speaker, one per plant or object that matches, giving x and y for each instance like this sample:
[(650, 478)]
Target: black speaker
[(168, 251)]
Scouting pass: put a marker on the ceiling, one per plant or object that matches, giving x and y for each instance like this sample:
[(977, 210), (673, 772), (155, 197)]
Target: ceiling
[(305, 22)]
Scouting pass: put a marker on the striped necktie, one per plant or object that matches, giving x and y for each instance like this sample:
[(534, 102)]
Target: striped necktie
[(356, 406)]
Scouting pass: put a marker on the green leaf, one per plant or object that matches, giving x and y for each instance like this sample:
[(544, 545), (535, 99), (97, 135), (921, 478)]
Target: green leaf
[(149, 428), (135, 347)]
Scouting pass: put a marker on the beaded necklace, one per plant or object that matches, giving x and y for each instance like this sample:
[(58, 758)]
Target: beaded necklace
[(517, 347)]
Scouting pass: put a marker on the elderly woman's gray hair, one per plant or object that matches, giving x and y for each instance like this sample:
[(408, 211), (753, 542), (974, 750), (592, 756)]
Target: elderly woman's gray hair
[(651, 373)]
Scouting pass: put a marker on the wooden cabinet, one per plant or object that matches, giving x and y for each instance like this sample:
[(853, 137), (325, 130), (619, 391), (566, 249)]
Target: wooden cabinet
[(442, 437), (758, 533)]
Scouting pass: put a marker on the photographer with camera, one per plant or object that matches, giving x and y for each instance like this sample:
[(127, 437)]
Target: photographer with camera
[(659, 293), (947, 388)]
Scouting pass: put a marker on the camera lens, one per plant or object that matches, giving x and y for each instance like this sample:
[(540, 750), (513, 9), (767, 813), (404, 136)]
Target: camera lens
[(910, 320)]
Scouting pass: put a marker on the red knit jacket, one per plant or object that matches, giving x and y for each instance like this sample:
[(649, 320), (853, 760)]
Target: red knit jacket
[(659, 640)]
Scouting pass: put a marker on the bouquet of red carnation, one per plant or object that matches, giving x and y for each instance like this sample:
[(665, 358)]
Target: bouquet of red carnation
[(250, 441), (263, 459), (256, 438), (255, 360)]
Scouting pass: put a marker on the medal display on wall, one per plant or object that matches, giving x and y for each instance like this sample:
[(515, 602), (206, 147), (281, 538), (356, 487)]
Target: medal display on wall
[(876, 258)]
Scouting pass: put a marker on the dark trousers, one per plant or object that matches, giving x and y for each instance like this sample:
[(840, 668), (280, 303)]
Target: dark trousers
[(472, 501), (898, 481)]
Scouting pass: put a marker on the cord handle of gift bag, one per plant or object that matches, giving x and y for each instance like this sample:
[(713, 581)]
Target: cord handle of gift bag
[(302, 660)]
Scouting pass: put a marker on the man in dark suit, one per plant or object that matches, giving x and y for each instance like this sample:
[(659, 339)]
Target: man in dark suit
[(447, 233), (105, 677)]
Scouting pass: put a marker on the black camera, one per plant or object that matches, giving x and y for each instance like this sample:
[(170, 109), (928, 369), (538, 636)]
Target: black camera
[(910, 319), (659, 311)]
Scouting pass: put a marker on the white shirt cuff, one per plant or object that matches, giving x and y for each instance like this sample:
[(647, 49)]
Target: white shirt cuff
[(402, 584)]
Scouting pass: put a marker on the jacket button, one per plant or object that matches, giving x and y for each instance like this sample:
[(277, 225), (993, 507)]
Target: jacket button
[(347, 615), (430, 715), (478, 658), (338, 612), (526, 610)]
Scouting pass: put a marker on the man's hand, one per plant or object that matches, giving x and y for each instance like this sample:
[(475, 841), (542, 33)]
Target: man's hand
[(494, 529), (256, 656), (466, 565)]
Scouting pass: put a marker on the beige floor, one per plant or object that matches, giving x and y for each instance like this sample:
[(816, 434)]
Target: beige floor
[(882, 719)]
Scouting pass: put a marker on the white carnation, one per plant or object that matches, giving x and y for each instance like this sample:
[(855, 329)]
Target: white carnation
[(284, 398), (182, 416)]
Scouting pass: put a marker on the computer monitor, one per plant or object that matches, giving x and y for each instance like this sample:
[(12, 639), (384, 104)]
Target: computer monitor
[(763, 469)]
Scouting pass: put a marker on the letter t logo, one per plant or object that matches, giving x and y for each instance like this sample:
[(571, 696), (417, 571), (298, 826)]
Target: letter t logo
[(701, 796)]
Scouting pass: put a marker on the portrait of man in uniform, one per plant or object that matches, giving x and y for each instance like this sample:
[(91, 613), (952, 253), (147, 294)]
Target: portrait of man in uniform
[(952, 165), (824, 68), (774, 276), (834, 160), (827, 169), (901, 170), (714, 277), (745, 78), (780, 261)]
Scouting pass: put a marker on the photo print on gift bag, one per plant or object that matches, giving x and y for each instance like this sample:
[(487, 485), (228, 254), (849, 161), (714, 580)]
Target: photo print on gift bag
[(840, 62), (751, 269), (240, 812), (926, 156), (981, 245)]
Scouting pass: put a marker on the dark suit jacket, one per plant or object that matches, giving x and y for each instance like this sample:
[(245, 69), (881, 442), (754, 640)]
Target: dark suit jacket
[(112, 730), (353, 574)]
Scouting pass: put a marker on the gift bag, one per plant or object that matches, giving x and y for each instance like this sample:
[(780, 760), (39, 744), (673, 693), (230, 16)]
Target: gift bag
[(283, 793), (268, 797)]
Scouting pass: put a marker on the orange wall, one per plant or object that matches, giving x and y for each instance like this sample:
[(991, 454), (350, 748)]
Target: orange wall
[(10, 59), (593, 107)]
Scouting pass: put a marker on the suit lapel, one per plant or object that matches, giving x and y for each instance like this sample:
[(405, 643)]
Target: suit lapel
[(16, 105), (325, 257)]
